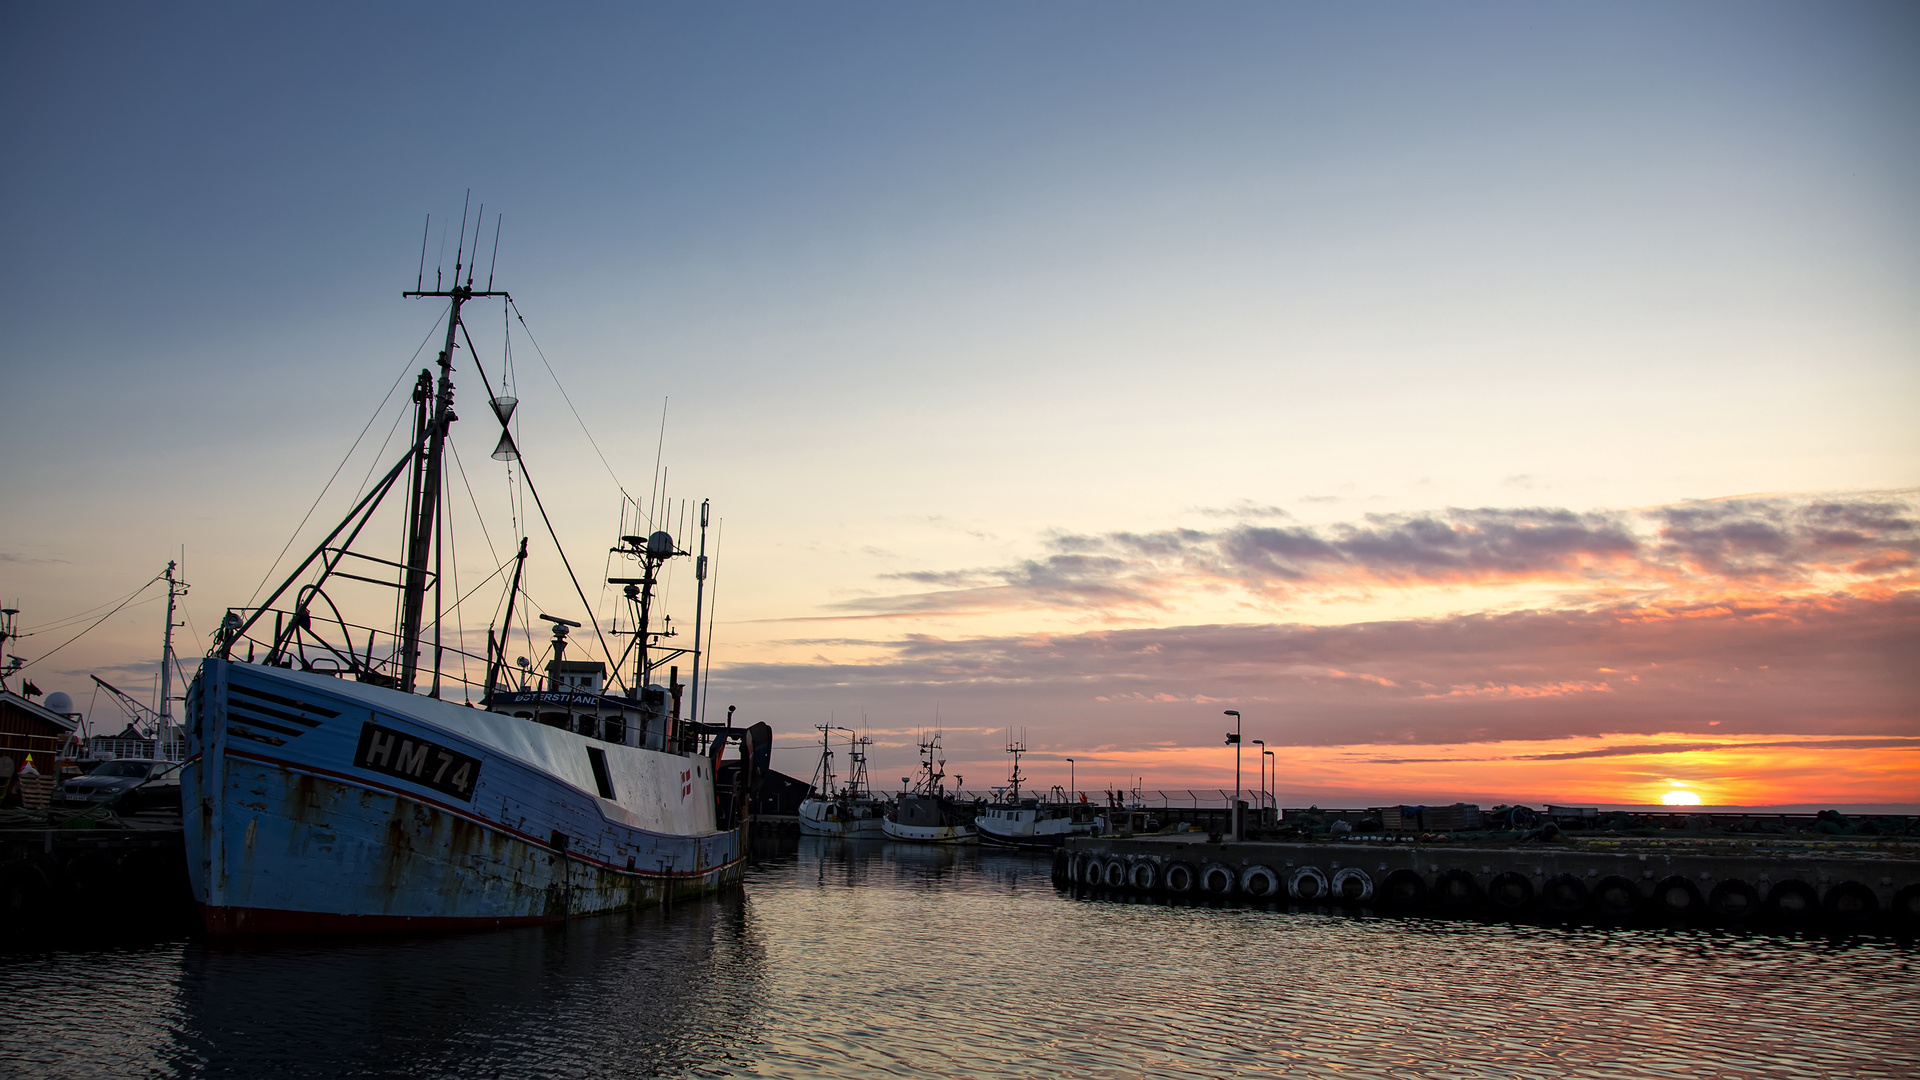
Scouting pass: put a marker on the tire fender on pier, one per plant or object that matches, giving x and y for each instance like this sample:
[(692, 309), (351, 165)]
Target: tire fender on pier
[(1677, 898), (1351, 885), (1510, 891), (1181, 878), (1114, 873), (1792, 900), (1143, 875), (1402, 890), (1456, 890), (1092, 870), (1906, 906), (1616, 897), (1217, 879), (1851, 902), (1733, 901), (1259, 882), (1565, 894), (1308, 883)]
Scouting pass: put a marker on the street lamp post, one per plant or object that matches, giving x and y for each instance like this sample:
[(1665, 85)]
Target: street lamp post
[(1233, 737), (1262, 815), (1273, 776), (1071, 782)]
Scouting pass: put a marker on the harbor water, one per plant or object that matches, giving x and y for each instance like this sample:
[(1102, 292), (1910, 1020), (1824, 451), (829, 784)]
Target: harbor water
[(872, 959)]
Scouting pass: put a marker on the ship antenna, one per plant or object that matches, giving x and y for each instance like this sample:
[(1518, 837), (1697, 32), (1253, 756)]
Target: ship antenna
[(461, 248), (496, 252), (420, 278), (477, 219), (653, 496)]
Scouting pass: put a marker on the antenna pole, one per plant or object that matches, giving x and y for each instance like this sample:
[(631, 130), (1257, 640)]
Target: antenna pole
[(699, 607), (163, 746), (8, 632), (496, 252), (475, 265), (420, 278), (460, 248)]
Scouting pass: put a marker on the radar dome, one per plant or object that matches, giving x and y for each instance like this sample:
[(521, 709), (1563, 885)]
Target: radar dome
[(59, 702), (660, 545)]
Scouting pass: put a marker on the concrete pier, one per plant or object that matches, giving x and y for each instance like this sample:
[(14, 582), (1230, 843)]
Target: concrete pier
[(128, 878), (1835, 884)]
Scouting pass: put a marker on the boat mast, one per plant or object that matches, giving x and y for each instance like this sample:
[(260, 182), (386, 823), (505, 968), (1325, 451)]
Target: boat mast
[(857, 784), (498, 660), (699, 608), (1016, 748), (823, 773), (423, 510)]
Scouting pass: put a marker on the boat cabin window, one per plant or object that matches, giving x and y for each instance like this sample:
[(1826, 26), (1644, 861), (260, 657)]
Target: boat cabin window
[(554, 719), (602, 779)]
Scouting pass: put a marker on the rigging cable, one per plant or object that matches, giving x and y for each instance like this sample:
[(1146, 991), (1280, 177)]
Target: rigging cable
[(62, 624), (563, 394), (478, 516), (496, 573), (268, 576), (526, 477), (91, 625)]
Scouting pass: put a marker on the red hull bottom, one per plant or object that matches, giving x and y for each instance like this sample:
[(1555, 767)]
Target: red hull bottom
[(243, 921)]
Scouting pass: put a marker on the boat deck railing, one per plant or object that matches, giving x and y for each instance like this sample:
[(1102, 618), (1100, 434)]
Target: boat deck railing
[(330, 645)]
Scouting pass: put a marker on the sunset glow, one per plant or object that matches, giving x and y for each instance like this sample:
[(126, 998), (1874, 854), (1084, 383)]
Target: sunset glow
[(1734, 770), (1506, 409)]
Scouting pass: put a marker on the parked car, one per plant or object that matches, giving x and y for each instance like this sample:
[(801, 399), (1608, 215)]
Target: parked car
[(138, 785)]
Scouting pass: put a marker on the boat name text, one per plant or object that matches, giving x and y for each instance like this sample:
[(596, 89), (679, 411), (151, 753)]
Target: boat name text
[(409, 757)]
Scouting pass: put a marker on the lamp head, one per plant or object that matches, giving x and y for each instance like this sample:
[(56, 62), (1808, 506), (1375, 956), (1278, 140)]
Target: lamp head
[(1231, 712)]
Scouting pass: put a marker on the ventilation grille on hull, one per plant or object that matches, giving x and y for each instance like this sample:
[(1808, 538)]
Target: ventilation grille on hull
[(271, 718)]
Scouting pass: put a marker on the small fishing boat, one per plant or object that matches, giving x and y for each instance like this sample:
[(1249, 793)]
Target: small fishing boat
[(849, 810), (928, 813), (1018, 821), (327, 790)]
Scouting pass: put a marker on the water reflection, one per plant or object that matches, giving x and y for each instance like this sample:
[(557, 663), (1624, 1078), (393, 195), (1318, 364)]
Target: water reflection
[(864, 958), (657, 993)]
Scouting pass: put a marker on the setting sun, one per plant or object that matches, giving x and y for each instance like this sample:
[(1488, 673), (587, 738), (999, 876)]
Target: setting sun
[(1677, 797)]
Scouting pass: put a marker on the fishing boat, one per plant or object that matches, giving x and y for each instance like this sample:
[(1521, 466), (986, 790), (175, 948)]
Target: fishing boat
[(833, 809), (929, 813), (326, 789), (1023, 821)]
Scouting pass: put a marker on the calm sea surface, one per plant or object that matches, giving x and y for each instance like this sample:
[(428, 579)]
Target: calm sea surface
[(873, 960)]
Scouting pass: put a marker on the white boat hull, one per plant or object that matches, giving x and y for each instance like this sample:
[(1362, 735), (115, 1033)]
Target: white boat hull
[(927, 834), (819, 817)]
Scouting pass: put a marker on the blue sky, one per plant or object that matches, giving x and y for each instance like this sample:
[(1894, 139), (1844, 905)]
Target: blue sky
[(933, 287)]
